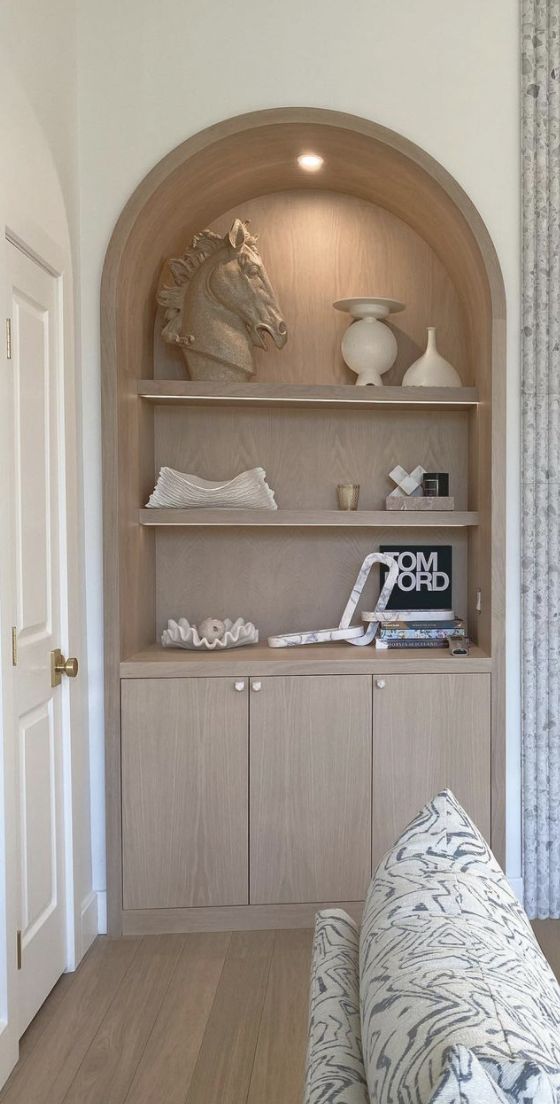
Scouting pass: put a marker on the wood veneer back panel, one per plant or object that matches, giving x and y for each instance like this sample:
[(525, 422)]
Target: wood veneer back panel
[(307, 452), (322, 246), (297, 579), (282, 580)]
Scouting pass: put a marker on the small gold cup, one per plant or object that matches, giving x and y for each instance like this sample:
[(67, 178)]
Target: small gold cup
[(348, 495)]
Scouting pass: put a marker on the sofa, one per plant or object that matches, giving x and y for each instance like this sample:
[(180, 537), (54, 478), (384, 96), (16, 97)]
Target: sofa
[(443, 996)]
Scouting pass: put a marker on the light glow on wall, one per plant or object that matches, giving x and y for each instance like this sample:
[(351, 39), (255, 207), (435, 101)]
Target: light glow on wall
[(310, 162)]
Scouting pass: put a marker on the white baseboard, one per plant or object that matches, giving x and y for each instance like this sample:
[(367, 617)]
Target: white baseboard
[(93, 919), (101, 911), (517, 886), (88, 921)]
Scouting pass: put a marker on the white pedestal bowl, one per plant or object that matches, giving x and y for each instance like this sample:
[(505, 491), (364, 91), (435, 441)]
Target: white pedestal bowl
[(369, 347)]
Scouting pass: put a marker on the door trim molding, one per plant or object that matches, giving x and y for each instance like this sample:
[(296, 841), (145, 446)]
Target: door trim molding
[(36, 221)]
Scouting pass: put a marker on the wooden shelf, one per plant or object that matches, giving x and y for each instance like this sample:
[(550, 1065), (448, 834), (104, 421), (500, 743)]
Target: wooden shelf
[(185, 392), (259, 659), (329, 519)]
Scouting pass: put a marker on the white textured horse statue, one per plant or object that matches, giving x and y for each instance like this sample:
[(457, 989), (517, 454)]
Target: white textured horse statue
[(221, 305)]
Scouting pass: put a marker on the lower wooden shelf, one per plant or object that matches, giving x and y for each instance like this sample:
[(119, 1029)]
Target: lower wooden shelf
[(364, 519), (310, 659)]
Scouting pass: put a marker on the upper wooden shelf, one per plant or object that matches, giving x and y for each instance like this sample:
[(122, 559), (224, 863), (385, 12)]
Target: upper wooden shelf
[(358, 519), (185, 392)]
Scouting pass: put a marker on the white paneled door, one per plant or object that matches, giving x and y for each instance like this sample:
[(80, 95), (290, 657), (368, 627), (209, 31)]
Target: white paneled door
[(35, 315)]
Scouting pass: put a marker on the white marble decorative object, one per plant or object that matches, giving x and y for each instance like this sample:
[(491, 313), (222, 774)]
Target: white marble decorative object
[(350, 633), (419, 502), (220, 634), (407, 483), (356, 592), (247, 491), (317, 636), (431, 369), (369, 347)]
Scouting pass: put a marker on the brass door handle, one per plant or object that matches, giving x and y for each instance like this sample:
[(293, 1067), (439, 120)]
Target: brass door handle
[(61, 666)]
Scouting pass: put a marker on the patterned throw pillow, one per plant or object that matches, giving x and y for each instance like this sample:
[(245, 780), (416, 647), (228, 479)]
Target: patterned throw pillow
[(335, 1069), (448, 960), (466, 1080)]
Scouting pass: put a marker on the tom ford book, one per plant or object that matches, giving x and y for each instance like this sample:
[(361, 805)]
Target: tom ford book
[(425, 576)]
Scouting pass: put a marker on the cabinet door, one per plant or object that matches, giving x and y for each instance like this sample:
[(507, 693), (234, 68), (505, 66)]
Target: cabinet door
[(430, 732), (184, 789), (310, 788)]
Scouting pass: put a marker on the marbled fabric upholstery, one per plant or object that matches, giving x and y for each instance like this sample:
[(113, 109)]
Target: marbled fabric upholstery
[(335, 1071), (448, 960), (468, 1080)]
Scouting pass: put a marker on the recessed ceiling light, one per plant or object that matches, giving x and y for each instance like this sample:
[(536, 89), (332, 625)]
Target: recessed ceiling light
[(311, 162)]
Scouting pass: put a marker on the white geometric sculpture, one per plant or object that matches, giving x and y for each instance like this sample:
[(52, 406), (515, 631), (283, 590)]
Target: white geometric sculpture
[(407, 484), (352, 634), (355, 593)]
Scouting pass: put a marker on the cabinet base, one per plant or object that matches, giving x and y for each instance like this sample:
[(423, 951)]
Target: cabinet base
[(229, 918)]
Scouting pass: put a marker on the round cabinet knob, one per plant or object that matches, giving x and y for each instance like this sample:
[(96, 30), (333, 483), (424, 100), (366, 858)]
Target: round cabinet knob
[(71, 667), (380, 683), (239, 685), (256, 686)]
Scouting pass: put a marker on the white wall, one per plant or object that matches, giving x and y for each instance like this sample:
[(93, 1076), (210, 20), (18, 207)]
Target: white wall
[(444, 74), (39, 43)]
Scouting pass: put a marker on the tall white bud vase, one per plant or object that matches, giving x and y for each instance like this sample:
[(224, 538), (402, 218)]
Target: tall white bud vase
[(431, 369), (369, 347)]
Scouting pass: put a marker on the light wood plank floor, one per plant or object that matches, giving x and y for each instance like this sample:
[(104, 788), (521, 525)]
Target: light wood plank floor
[(193, 1019), (176, 1019)]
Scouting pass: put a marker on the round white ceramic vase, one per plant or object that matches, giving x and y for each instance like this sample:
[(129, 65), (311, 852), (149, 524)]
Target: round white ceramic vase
[(431, 369), (369, 347)]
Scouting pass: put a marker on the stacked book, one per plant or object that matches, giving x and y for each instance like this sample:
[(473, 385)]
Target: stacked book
[(419, 629)]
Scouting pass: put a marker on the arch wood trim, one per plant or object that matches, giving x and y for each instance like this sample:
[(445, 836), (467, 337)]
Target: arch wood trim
[(231, 162)]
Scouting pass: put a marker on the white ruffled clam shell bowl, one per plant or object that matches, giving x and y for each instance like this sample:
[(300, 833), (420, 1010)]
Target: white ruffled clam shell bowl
[(181, 634)]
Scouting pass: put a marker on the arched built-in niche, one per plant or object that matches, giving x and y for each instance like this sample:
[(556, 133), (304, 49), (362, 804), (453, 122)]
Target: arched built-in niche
[(321, 246), (375, 187)]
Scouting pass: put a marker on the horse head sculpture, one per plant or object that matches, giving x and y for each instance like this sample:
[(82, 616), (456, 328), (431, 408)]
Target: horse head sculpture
[(221, 305)]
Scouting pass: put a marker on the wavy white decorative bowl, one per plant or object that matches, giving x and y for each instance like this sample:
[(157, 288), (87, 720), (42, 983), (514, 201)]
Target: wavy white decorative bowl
[(181, 634), (249, 491)]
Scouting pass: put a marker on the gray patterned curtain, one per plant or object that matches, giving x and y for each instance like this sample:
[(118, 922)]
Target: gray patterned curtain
[(540, 103)]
